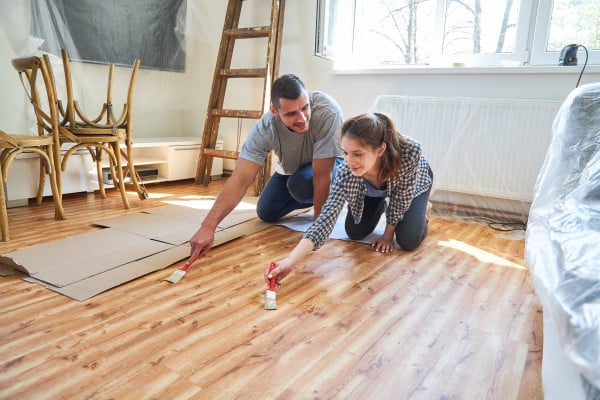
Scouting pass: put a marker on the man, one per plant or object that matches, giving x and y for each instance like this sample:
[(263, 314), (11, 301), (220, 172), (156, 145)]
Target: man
[(302, 129)]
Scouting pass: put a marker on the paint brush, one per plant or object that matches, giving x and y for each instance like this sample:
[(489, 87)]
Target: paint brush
[(178, 274), (270, 294)]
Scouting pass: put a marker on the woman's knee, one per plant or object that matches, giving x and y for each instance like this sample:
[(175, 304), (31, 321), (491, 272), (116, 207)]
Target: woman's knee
[(408, 244), (356, 235), (411, 241)]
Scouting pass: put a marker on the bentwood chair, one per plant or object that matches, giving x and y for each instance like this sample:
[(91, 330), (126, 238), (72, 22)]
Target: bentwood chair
[(47, 115), (13, 145), (104, 128)]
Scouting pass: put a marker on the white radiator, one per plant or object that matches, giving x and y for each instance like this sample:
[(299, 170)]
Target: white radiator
[(487, 147)]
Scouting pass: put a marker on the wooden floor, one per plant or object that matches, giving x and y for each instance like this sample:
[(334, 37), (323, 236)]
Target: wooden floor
[(456, 319)]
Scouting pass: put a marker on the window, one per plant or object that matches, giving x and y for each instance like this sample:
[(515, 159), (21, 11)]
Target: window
[(368, 33)]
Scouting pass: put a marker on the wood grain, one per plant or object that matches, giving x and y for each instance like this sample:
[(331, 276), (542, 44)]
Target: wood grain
[(455, 319)]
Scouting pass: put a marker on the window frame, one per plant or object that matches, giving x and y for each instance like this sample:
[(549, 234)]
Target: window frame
[(539, 55), (530, 42)]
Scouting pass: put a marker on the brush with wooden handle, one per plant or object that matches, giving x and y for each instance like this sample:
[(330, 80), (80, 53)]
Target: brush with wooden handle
[(270, 295)]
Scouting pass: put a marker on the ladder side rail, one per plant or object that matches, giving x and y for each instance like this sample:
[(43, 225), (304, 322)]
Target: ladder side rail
[(273, 53), (217, 93)]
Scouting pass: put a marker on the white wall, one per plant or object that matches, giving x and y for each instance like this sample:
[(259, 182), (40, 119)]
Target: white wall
[(174, 104)]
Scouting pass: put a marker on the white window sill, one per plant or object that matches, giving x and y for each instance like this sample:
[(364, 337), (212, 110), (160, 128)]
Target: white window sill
[(431, 70)]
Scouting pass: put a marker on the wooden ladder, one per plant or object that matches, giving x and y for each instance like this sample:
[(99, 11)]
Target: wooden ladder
[(223, 72)]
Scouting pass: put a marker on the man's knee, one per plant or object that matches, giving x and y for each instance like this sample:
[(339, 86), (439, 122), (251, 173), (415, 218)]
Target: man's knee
[(268, 215), (300, 189)]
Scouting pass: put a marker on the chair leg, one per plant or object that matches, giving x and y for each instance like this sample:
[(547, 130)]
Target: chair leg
[(139, 187), (41, 182), (98, 158), (119, 171), (3, 212), (57, 165), (59, 212)]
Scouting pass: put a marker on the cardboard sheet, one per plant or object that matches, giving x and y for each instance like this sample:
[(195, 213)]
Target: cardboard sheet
[(96, 284), (82, 266), (74, 258), (153, 226)]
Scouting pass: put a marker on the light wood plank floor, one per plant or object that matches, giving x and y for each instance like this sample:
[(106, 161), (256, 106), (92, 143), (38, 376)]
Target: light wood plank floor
[(456, 319)]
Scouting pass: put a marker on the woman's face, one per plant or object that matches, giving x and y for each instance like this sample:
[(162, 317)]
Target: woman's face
[(360, 158)]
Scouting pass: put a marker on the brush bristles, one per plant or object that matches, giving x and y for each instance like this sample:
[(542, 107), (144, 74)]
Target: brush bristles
[(175, 276), (270, 303)]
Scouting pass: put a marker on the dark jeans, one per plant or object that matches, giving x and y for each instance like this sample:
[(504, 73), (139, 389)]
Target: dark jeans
[(410, 232), (285, 193)]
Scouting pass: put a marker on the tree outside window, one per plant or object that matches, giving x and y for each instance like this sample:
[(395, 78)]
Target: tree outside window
[(438, 32)]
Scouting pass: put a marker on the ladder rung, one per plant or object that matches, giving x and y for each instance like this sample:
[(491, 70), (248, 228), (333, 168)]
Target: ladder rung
[(233, 155), (252, 32), (245, 73), (237, 113)]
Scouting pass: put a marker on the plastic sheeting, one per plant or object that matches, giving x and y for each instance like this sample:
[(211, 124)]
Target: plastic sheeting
[(563, 234), (113, 31)]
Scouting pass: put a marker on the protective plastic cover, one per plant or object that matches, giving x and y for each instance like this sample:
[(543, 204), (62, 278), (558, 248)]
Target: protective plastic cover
[(562, 246)]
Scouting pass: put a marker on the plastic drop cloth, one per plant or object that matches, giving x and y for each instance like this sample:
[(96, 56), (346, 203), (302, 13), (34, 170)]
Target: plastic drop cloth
[(562, 246)]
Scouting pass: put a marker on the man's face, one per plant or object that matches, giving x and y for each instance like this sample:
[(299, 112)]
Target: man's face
[(295, 114)]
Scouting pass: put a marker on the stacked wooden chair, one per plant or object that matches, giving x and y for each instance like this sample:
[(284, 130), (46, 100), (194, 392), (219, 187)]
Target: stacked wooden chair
[(34, 74), (103, 133)]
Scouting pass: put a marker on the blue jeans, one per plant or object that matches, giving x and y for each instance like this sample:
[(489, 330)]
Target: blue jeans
[(409, 232), (285, 193)]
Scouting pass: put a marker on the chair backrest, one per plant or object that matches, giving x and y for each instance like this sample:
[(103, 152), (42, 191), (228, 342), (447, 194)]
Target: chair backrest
[(35, 77), (75, 116)]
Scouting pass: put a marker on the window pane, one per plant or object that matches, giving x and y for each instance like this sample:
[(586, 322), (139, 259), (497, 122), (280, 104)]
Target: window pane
[(574, 21), (395, 32), (480, 26), (337, 23)]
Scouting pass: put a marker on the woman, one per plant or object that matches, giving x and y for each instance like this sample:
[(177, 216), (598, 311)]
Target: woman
[(380, 164)]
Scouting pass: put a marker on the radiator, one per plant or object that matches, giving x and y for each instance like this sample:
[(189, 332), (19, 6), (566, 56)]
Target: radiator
[(486, 147)]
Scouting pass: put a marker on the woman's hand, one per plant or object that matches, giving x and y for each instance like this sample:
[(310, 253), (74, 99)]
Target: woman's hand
[(383, 245), (282, 269)]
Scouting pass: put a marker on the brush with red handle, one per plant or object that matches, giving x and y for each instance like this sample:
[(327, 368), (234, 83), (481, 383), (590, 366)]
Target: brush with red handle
[(178, 274), (270, 295)]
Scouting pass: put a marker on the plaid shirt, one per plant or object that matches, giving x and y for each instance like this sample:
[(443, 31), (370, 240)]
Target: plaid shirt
[(412, 180)]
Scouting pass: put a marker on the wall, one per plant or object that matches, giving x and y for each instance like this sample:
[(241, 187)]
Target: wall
[(174, 104)]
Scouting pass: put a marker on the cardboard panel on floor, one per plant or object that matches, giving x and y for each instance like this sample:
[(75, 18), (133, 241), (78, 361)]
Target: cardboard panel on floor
[(84, 265), (153, 226), (96, 284), (74, 258)]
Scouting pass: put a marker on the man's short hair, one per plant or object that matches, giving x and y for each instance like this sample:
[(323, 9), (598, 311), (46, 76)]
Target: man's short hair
[(287, 86)]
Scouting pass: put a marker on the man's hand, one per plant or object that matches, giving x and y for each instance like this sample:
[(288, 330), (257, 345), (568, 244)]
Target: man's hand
[(232, 193), (201, 242)]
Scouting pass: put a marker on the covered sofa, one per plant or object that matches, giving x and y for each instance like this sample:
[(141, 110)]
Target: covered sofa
[(562, 249)]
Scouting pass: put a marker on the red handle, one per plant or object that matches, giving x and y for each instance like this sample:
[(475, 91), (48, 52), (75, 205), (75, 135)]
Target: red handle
[(272, 280), (188, 264)]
